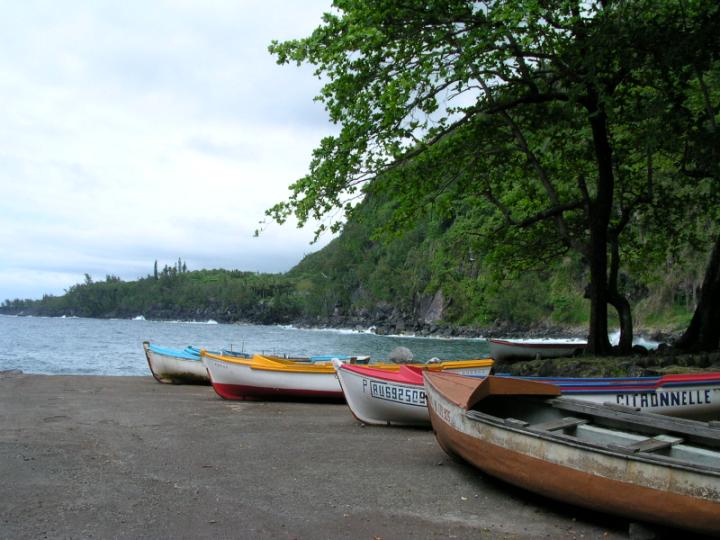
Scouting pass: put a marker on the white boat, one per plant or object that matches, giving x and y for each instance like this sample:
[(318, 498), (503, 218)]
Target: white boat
[(382, 397), (398, 398), (644, 466), (175, 366), (503, 350), (687, 395), (260, 377)]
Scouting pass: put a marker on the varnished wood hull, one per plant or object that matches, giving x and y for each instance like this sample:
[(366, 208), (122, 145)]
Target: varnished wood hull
[(605, 481)]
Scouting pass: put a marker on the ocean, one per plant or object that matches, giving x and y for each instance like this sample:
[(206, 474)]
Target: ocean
[(78, 346)]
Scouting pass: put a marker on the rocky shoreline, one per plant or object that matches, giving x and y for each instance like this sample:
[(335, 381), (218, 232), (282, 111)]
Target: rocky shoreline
[(664, 361), (380, 322)]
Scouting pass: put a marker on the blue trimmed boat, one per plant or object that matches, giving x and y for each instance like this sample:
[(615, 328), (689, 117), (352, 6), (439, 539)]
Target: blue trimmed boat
[(185, 366), (175, 366)]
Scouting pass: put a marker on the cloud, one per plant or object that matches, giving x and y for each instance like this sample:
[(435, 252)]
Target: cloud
[(134, 131)]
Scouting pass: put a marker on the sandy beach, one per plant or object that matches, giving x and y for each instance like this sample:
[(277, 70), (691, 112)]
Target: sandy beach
[(126, 457)]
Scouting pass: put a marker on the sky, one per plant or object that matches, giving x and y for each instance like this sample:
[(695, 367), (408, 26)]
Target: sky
[(134, 131)]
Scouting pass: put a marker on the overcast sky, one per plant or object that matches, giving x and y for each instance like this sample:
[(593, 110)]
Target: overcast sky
[(139, 131)]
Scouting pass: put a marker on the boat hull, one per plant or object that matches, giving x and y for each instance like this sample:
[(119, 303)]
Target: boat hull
[(373, 399), (242, 381), (378, 400), (699, 402), (603, 481), (508, 351), (169, 369)]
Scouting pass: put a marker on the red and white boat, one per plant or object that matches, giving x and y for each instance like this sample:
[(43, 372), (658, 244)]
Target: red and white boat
[(503, 350), (260, 377), (383, 397), (398, 398)]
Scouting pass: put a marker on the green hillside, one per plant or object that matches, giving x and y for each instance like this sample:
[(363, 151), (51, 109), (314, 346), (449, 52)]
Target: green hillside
[(437, 274), (432, 278)]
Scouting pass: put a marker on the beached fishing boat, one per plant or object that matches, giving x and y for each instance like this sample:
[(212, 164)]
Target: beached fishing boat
[(185, 366), (262, 377), (384, 397), (687, 395), (503, 350), (379, 397), (175, 366), (610, 458), (353, 359)]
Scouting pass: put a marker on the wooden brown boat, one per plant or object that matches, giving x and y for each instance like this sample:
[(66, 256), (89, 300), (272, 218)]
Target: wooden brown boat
[(644, 466)]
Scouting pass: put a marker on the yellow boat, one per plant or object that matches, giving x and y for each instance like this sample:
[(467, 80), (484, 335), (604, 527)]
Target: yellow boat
[(261, 377)]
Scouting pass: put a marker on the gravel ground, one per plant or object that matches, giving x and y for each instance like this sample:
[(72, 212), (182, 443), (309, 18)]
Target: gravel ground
[(126, 457)]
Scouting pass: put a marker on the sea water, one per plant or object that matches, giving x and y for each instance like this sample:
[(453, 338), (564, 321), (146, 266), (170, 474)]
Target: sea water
[(78, 346)]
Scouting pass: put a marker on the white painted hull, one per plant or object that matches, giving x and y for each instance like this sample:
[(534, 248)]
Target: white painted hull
[(502, 351), (700, 402), (236, 380), (174, 370), (377, 401), (380, 402)]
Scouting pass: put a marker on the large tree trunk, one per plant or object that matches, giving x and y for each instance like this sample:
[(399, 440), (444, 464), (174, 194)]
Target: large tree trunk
[(599, 217), (703, 334), (598, 343), (620, 302)]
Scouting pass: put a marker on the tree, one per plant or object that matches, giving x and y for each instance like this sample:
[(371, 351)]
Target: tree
[(518, 102), (703, 333)]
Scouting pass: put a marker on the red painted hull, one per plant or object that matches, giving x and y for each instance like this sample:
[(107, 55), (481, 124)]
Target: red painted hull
[(244, 392)]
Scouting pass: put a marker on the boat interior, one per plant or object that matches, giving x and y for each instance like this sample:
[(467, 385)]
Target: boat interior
[(609, 426)]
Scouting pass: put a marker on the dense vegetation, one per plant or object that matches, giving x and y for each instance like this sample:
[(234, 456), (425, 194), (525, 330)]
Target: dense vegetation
[(430, 278), (584, 131), (173, 294)]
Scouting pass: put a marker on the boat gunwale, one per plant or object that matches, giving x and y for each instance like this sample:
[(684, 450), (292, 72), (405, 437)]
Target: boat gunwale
[(602, 411), (380, 374), (569, 440)]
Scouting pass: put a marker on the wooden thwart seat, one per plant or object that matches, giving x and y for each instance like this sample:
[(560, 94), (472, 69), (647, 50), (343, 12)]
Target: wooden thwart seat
[(560, 423), (646, 445)]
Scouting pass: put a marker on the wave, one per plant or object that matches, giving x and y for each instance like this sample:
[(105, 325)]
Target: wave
[(371, 330), (329, 330), (637, 340), (177, 321), (614, 338)]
